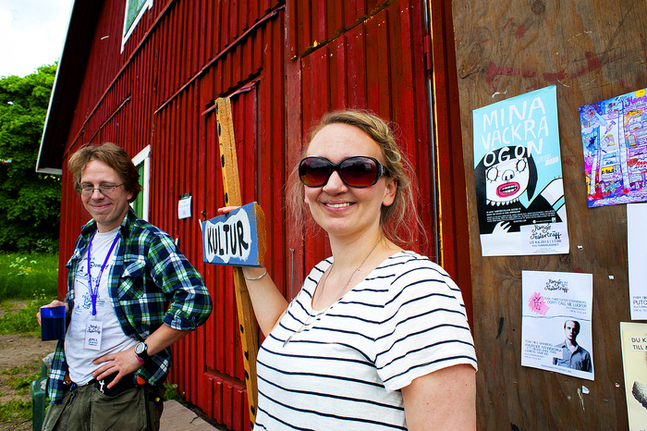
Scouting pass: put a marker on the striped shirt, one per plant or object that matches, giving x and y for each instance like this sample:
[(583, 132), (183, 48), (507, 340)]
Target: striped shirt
[(342, 368)]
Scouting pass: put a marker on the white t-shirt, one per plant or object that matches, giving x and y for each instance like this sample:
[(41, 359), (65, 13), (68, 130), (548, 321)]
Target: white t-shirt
[(344, 369), (113, 339)]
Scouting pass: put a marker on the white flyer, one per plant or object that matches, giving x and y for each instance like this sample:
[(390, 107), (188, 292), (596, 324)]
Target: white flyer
[(637, 253), (556, 322)]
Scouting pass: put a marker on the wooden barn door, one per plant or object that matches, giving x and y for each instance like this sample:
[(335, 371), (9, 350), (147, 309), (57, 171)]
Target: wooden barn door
[(223, 394)]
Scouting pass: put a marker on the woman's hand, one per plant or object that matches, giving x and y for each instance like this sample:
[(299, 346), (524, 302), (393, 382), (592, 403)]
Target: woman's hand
[(226, 210)]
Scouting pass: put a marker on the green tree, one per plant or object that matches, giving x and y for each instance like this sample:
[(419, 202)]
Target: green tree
[(29, 201)]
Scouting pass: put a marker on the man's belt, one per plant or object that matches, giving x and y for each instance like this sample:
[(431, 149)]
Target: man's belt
[(127, 382)]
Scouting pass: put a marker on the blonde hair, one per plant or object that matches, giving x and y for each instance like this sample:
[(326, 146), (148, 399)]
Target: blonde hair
[(112, 155), (399, 221)]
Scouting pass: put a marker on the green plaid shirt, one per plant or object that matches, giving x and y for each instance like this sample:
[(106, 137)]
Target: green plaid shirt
[(151, 283)]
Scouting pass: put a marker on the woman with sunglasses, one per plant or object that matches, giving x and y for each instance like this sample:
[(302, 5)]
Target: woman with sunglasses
[(377, 338)]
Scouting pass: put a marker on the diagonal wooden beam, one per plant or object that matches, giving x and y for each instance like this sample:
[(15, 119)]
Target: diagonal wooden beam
[(231, 183)]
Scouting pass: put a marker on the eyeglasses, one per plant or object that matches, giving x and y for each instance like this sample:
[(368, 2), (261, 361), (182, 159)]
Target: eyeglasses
[(356, 171), (104, 189)]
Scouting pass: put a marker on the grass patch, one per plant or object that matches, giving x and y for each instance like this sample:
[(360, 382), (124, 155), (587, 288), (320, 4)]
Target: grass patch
[(25, 276), (22, 376), (16, 410), (172, 394), (27, 282), (20, 319)]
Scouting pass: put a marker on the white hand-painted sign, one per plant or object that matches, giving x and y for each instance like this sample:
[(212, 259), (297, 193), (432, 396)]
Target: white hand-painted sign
[(232, 239)]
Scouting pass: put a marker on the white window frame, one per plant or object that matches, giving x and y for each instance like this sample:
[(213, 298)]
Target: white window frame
[(126, 32), (144, 157)]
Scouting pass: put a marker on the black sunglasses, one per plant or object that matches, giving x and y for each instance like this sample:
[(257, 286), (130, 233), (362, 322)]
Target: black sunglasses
[(356, 171)]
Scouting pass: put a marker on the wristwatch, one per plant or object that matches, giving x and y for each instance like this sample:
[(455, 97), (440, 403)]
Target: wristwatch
[(141, 351)]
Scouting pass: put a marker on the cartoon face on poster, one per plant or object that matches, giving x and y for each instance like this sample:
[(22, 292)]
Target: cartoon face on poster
[(518, 176), (614, 136)]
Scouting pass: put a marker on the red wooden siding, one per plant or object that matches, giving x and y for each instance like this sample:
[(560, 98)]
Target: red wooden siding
[(283, 64), (372, 59)]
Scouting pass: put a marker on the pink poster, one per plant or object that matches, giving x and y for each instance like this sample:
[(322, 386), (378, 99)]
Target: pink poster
[(614, 136)]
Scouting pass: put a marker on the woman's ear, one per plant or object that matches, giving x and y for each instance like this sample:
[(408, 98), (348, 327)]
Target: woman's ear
[(390, 191)]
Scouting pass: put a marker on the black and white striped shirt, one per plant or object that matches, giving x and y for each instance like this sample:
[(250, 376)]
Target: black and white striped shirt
[(342, 368)]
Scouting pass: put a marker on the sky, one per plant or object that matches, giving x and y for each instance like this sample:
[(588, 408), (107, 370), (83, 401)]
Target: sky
[(32, 34)]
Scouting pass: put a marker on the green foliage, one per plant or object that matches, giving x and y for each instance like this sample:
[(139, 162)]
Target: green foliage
[(22, 320), (22, 376), (28, 276), (29, 201), (15, 411), (172, 394)]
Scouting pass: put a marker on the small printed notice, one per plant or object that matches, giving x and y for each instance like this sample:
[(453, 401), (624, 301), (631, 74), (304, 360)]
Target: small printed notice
[(614, 136), (184, 207), (634, 361), (636, 234), (236, 238), (518, 176), (556, 322)]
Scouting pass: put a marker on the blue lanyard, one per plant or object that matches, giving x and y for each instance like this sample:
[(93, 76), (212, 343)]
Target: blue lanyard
[(94, 292)]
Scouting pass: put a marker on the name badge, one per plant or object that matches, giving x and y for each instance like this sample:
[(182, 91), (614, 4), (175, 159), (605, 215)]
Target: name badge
[(93, 332)]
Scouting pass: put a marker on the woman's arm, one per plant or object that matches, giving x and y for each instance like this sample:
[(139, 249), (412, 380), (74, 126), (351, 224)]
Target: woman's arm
[(269, 305), (442, 400)]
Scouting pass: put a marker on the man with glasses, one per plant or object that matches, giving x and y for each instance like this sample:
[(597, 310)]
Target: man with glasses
[(131, 295)]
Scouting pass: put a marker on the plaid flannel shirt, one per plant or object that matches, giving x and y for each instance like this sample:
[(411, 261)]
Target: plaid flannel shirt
[(150, 284)]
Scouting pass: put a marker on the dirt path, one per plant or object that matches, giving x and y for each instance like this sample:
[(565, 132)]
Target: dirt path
[(16, 350)]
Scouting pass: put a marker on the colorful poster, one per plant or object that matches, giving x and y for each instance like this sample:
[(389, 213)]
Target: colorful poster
[(556, 322), (637, 253), (518, 176), (614, 136), (633, 337)]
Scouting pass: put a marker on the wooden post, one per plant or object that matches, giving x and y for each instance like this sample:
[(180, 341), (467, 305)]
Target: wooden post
[(231, 183)]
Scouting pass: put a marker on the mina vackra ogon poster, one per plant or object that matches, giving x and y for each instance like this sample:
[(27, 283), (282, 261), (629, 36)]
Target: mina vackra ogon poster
[(518, 176)]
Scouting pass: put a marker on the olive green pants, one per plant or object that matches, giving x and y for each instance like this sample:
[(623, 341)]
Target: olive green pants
[(85, 408)]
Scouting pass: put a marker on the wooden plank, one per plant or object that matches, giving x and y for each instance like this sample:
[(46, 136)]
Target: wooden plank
[(231, 186), (177, 417), (501, 55)]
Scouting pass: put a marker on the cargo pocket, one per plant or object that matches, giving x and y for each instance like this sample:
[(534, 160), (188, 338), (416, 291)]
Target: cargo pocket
[(54, 413), (126, 411)]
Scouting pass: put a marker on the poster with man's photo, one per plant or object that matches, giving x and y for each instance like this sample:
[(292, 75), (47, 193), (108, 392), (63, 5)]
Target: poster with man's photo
[(556, 322), (518, 176)]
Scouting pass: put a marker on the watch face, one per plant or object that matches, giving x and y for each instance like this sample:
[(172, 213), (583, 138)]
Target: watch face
[(140, 348)]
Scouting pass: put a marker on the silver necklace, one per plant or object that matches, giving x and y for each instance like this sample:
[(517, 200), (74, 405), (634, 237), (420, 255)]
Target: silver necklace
[(341, 292)]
